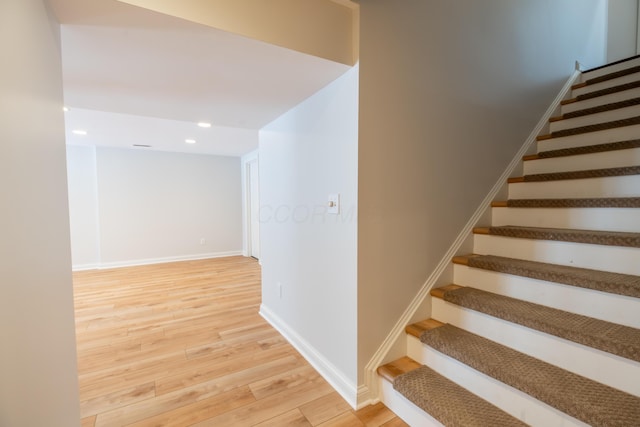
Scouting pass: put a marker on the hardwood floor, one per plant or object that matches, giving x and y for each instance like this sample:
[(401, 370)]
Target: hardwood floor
[(182, 344)]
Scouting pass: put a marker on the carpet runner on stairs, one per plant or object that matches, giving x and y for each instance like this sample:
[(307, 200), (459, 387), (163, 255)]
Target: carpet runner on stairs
[(605, 202), (587, 149), (603, 92), (449, 403), (593, 173), (599, 109), (543, 304), (595, 237), (580, 397), (592, 128), (604, 281), (620, 340)]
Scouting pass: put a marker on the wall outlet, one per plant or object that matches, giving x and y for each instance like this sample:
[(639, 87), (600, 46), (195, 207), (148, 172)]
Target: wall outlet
[(279, 290), (203, 241)]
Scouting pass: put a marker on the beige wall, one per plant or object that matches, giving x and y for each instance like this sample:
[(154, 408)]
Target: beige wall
[(318, 27), (38, 379), (449, 91), (622, 31)]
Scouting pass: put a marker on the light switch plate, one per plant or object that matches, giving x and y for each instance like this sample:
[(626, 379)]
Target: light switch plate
[(333, 206)]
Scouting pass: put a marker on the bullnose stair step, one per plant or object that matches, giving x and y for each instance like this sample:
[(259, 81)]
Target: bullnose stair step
[(443, 399), (606, 77), (584, 174), (620, 340), (588, 149), (631, 121), (599, 109), (611, 65), (605, 202), (584, 399), (602, 92), (603, 281), (595, 237)]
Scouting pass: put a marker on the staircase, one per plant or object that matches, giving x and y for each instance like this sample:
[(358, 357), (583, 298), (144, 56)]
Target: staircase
[(541, 326)]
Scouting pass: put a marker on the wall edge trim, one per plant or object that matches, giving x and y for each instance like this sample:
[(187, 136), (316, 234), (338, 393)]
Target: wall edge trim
[(327, 370), (149, 261)]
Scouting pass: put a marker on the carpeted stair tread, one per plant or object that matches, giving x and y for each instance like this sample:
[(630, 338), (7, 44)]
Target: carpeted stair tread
[(602, 92), (588, 149), (449, 403), (583, 174), (604, 202), (594, 237), (620, 61), (623, 341), (611, 76), (591, 402), (599, 109), (604, 281), (592, 128)]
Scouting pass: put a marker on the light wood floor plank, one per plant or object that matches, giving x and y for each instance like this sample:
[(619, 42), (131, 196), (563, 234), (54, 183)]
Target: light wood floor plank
[(182, 344)]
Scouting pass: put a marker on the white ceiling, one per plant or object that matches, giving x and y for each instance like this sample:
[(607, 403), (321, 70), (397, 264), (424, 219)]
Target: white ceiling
[(133, 76)]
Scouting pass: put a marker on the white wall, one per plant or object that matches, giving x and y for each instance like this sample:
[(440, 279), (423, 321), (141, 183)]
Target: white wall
[(305, 155), (622, 29), (449, 91), (154, 206), (38, 376)]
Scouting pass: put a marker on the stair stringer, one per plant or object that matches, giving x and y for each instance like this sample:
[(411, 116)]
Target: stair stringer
[(395, 344)]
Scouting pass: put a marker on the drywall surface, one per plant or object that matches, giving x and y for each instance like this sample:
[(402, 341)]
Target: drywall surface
[(449, 91), (622, 29), (83, 206), (38, 374), (156, 206), (143, 207), (319, 28), (308, 256)]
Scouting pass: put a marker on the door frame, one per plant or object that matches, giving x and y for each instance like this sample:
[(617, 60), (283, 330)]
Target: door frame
[(247, 160)]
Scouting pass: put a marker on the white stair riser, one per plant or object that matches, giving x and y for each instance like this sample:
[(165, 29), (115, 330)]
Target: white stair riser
[(600, 305), (403, 407), (512, 401), (598, 257), (610, 69), (592, 119), (629, 78), (613, 186), (600, 100), (604, 160), (594, 364), (590, 138), (604, 219)]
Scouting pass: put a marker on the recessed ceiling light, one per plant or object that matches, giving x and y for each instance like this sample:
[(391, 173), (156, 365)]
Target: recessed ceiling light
[(65, 109), (204, 125), (190, 141), (79, 132)]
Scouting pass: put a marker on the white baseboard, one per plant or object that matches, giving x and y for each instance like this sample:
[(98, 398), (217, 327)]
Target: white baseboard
[(346, 388), (85, 267), (149, 261), (370, 375)]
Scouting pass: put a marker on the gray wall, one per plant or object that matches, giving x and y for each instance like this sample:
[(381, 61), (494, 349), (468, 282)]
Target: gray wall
[(134, 207), (449, 91), (38, 376)]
